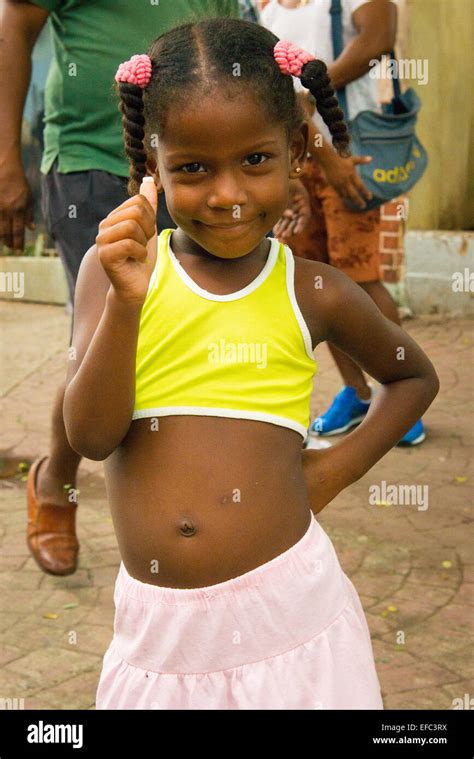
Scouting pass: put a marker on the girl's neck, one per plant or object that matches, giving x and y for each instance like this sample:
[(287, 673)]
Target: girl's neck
[(182, 244)]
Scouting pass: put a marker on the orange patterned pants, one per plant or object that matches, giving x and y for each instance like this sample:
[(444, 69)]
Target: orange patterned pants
[(348, 240)]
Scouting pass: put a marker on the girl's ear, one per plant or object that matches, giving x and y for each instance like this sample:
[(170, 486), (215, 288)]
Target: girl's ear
[(152, 170), (298, 150)]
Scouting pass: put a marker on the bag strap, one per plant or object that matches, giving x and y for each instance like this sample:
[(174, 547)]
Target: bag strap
[(337, 48)]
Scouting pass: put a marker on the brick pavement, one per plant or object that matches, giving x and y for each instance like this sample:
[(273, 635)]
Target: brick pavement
[(413, 568)]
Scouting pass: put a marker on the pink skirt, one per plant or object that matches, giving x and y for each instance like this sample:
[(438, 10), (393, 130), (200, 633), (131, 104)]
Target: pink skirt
[(290, 634)]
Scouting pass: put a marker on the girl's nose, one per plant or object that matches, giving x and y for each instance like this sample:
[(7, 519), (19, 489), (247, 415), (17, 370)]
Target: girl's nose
[(227, 193)]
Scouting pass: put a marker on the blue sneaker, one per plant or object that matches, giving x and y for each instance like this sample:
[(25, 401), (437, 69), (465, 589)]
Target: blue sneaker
[(345, 412), (415, 435)]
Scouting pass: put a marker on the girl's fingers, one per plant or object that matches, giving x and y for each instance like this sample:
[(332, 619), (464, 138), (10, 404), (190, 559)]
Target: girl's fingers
[(283, 225), (149, 191), (126, 203), (299, 225), (141, 215), (125, 229), (113, 252)]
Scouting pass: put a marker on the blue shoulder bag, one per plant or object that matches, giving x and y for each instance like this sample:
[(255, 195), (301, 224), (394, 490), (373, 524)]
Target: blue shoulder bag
[(398, 157)]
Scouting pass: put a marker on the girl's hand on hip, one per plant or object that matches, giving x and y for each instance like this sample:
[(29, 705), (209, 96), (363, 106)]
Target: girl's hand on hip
[(326, 474), (127, 243)]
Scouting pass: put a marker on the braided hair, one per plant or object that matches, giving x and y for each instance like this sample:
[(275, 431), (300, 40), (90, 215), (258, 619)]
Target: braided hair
[(314, 77), (199, 58)]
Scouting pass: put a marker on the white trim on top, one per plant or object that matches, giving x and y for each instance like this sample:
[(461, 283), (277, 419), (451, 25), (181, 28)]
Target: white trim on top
[(259, 279), (152, 284), (231, 413), (290, 283)]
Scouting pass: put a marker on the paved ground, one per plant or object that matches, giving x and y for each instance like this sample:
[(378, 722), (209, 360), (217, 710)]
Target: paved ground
[(413, 567)]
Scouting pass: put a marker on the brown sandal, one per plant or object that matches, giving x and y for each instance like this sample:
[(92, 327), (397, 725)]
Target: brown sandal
[(51, 532)]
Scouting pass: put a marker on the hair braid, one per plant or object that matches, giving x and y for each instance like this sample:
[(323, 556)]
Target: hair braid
[(133, 123), (314, 77)]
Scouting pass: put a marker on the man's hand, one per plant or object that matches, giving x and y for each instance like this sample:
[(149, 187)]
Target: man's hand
[(341, 173), (24, 22), (295, 218), (16, 207)]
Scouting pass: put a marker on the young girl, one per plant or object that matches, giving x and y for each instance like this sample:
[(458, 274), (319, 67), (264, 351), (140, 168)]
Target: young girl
[(192, 379)]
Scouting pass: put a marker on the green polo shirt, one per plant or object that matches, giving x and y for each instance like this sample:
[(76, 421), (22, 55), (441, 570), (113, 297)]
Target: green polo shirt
[(82, 121)]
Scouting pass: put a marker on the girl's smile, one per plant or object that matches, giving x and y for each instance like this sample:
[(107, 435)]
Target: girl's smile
[(232, 229)]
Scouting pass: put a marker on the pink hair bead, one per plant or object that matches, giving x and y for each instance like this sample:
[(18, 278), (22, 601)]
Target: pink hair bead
[(135, 71), (291, 58)]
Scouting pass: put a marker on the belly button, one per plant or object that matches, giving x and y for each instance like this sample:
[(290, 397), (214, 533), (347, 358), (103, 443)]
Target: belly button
[(187, 528)]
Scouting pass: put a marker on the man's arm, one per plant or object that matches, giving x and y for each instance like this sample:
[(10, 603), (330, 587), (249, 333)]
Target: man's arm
[(376, 24), (21, 23)]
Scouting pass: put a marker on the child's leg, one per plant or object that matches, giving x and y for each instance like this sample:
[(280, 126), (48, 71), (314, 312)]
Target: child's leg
[(354, 248)]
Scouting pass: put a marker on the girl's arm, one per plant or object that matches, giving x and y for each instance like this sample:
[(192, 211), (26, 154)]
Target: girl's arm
[(98, 404), (111, 288), (350, 320)]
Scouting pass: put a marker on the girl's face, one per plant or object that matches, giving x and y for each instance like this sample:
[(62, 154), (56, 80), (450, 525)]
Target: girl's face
[(225, 169)]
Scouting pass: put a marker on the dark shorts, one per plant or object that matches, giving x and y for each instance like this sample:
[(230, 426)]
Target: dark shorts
[(74, 204)]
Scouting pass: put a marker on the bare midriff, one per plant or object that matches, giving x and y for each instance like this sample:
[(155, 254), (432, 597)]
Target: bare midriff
[(198, 500)]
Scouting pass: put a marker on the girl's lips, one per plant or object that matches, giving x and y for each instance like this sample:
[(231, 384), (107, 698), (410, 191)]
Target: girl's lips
[(235, 225)]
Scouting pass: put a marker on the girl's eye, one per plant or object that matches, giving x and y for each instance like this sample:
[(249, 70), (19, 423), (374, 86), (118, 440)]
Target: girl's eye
[(251, 158), (190, 168)]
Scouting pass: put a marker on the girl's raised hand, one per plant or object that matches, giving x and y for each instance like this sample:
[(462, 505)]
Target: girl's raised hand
[(126, 244)]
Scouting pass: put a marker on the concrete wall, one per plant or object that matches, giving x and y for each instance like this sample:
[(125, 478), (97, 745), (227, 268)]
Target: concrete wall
[(33, 279), (441, 31), (439, 273)]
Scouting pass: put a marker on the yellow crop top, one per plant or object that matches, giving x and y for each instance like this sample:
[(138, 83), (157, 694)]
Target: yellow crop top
[(246, 355)]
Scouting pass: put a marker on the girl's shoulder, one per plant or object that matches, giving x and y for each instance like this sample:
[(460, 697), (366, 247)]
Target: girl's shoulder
[(324, 294)]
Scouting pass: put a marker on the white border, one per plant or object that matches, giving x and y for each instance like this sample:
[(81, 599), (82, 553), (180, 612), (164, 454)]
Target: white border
[(227, 412), (152, 284), (267, 269), (290, 283)]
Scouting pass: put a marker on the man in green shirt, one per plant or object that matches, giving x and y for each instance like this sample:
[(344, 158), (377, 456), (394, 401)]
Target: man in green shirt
[(84, 177)]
